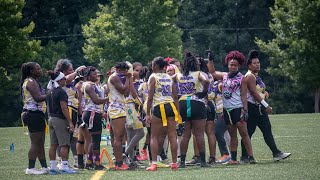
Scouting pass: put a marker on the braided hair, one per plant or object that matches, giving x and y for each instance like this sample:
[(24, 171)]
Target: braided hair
[(25, 72), (189, 64)]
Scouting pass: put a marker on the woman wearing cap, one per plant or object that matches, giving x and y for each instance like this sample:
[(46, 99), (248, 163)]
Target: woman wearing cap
[(60, 123), (234, 91), (258, 108), (33, 114)]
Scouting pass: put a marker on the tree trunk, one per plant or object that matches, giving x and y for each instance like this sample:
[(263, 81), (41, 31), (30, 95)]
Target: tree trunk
[(316, 100)]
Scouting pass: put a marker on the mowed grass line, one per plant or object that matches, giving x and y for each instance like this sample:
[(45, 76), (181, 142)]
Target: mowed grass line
[(295, 133)]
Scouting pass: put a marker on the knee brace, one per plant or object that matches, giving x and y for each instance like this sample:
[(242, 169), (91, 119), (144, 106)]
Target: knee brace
[(80, 142), (96, 139)]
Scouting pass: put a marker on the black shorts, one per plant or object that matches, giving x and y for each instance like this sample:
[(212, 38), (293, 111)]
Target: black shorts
[(198, 110), (168, 109), (35, 120), (74, 115), (233, 117), (211, 111), (97, 121)]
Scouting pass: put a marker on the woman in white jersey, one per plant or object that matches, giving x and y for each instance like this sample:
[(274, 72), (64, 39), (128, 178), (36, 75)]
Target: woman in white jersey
[(258, 108), (33, 114), (234, 94), (193, 88), (162, 97), (119, 87)]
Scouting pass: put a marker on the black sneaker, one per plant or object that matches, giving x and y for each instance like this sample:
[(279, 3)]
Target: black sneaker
[(133, 166), (279, 156), (77, 166), (182, 165), (244, 160), (99, 167)]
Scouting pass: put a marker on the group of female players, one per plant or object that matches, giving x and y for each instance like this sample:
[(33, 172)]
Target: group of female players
[(173, 101)]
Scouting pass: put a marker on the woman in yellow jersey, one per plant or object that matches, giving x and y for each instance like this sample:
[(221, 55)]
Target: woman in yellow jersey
[(119, 86), (92, 116), (163, 98), (65, 66), (234, 96), (258, 108), (33, 114), (193, 87)]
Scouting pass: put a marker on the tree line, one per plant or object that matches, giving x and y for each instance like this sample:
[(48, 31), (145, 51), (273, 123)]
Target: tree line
[(102, 32)]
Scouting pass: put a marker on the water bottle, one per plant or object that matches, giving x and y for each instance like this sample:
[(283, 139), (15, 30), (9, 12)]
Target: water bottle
[(12, 147), (108, 140)]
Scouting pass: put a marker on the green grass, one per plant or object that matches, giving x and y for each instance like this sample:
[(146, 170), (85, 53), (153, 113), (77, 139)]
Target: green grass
[(295, 133)]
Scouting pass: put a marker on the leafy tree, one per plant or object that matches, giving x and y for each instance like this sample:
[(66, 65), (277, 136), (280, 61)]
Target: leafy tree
[(133, 30), (294, 51), (15, 48)]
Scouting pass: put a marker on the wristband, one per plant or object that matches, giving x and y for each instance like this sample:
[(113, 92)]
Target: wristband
[(264, 103)]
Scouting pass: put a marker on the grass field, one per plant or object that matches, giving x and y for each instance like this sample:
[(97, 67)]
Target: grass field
[(295, 133)]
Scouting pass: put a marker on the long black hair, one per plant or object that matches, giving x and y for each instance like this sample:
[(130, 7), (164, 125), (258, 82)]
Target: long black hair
[(25, 72), (189, 64)]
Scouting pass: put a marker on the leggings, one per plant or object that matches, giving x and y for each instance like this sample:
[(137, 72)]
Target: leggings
[(220, 129), (133, 138)]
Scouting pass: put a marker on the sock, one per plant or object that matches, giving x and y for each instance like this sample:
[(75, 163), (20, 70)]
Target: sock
[(97, 159), (123, 148), (154, 162), (202, 157), (32, 163), (183, 158), (53, 164), (43, 163), (80, 160), (64, 164), (234, 155), (158, 158), (145, 146)]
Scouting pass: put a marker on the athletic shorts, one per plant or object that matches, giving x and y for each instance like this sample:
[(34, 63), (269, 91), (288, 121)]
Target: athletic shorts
[(132, 119), (93, 121), (117, 112), (198, 110), (168, 109), (73, 113), (58, 130), (35, 120), (211, 112), (232, 117)]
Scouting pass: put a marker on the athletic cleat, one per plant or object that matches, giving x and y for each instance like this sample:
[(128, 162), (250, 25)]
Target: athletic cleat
[(161, 165), (280, 156), (225, 158), (153, 167), (140, 164), (89, 166), (182, 165), (125, 159), (80, 167), (133, 165), (142, 158), (166, 161), (54, 172), (194, 161), (244, 160), (212, 161), (174, 166), (231, 162), (144, 155), (204, 165), (34, 171), (99, 167), (121, 168), (68, 171), (252, 160), (44, 170)]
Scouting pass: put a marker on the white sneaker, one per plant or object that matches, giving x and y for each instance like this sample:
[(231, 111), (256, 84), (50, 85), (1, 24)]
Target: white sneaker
[(34, 171), (75, 160), (44, 170), (280, 156)]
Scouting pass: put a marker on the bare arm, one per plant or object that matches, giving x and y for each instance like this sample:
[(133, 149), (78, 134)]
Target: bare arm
[(78, 87), (34, 90), (175, 95), (216, 74), (123, 89), (251, 84), (151, 87), (65, 111), (203, 78), (243, 92), (93, 96)]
